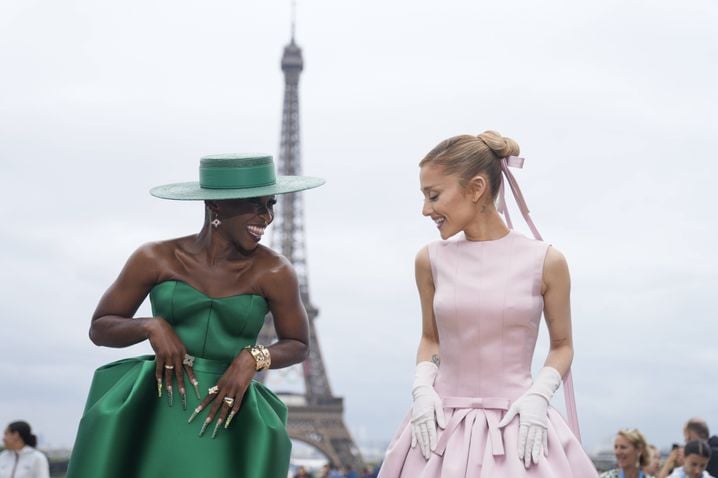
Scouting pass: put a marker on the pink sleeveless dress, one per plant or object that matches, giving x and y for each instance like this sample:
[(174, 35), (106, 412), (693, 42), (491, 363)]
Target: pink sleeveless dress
[(488, 306)]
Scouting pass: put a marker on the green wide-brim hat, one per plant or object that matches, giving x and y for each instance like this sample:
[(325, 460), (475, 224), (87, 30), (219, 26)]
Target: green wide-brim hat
[(235, 176)]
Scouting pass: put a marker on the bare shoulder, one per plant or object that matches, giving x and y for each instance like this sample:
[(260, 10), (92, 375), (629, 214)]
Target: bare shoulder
[(156, 256), (275, 268), (142, 267), (555, 267), (422, 269), (554, 259), (422, 260), (147, 254), (270, 259)]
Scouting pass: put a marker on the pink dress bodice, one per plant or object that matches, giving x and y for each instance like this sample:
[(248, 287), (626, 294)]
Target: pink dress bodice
[(487, 305)]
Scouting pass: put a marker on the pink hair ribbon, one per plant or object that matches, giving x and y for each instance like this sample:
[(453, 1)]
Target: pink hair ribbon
[(514, 162), (517, 162)]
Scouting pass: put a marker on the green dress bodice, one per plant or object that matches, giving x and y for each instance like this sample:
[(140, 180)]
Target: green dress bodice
[(212, 328), (127, 431)]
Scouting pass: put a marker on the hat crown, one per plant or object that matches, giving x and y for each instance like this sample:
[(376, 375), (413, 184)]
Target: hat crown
[(236, 176), (236, 171), (235, 160)]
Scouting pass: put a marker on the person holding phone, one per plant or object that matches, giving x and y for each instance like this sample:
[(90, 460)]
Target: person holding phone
[(696, 455)]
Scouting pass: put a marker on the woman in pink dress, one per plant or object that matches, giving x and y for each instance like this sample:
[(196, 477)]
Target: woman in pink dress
[(477, 412)]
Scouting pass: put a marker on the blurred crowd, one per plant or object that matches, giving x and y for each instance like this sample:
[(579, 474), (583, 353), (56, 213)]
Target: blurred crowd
[(329, 471), (697, 457)]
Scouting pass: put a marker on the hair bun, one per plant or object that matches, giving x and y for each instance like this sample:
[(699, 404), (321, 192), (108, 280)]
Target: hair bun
[(502, 147)]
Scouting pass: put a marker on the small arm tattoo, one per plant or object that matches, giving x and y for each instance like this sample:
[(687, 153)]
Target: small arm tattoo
[(435, 358)]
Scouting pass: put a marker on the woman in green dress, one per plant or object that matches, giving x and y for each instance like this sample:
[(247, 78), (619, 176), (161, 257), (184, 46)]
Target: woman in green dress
[(193, 409)]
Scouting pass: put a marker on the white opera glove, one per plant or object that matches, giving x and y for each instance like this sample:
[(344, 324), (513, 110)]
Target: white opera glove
[(427, 410), (532, 409)]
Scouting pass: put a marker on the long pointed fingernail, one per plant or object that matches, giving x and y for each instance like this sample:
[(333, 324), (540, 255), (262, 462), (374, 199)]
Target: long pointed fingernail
[(216, 427), (229, 419), (204, 427), (194, 414), (183, 394), (159, 388), (170, 395), (196, 389)]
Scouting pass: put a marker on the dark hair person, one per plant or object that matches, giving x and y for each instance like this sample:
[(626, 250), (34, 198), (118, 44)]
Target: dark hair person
[(477, 411), (20, 459), (193, 408), (697, 429), (696, 454)]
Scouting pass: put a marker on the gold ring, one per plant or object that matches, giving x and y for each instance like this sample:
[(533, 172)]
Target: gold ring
[(213, 390), (169, 367), (229, 401)]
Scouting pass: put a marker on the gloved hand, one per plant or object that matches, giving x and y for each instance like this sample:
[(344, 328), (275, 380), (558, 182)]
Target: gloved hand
[(532, 409), (427, 410)]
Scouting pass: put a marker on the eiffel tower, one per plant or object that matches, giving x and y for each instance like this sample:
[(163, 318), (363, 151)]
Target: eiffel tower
[(315, 416)]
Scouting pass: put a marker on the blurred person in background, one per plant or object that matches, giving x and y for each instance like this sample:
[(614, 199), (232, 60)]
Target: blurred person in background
[(20, 459), (368, 472), (302, 473), (654, 465), (697, 429), (632, 455), (694, 429), (696, 455), (673, 461)]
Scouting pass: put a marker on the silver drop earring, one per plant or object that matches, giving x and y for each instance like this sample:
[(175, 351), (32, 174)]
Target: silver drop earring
[(216, 222)]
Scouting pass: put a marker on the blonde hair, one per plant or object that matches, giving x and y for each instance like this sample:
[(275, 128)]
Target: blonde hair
[(638, 440), (469, 156)]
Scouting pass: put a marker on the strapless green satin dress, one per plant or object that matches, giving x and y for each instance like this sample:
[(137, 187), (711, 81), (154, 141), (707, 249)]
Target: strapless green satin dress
[(126, 431)]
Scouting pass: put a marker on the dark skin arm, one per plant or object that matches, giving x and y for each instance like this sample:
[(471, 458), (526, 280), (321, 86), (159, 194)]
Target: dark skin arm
[(112, 324), (281, 289), (109, 326)]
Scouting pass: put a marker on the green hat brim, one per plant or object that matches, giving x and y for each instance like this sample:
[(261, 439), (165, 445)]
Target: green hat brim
[(192, 191)]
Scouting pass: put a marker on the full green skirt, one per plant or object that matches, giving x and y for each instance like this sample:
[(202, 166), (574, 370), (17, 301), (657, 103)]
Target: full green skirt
[(126, 431)]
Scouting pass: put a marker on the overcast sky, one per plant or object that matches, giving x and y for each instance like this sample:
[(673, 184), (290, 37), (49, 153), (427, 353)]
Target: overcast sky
[(613, 104)]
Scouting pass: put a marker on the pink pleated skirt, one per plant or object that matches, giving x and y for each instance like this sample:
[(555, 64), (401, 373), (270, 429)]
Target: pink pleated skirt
[(472, 446)]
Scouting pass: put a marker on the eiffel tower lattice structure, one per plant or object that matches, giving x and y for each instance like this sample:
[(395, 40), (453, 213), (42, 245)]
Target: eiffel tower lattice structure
[(316, 415)]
